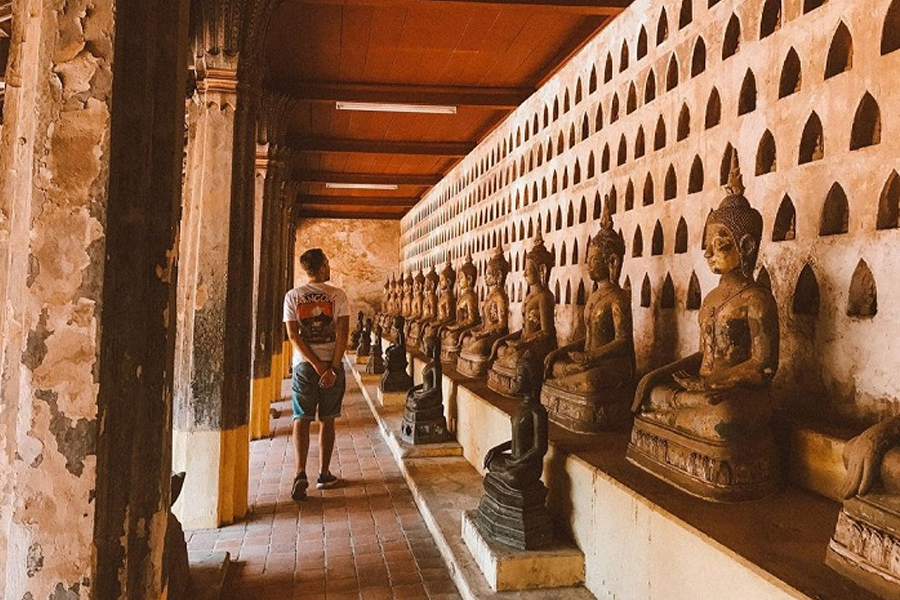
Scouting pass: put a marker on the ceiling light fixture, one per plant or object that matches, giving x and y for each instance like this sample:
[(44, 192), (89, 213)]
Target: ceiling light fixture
[(361, 186), (429, 109)]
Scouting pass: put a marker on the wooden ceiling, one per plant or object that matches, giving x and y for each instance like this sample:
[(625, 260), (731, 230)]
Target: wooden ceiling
[(483, 57)]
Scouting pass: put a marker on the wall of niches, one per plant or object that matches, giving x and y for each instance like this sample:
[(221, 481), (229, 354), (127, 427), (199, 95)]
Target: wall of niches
[(647, 116)]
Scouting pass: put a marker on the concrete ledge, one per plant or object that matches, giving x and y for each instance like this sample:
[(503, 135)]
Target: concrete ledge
[(505, 568), (209, 573), (390, 398)]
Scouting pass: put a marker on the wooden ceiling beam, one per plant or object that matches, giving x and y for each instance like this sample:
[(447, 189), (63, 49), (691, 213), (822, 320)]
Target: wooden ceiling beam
[(358, 201), (376, 178), (349, 212), (492, 98), (458, 149), (580, 7)]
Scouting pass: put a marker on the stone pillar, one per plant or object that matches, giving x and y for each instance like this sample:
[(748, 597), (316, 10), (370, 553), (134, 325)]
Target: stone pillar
[(212, 360), (90, 186)]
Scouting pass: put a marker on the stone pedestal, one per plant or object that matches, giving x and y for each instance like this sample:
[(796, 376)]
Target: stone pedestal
[(424, 426), (450, 354), (473, 365), (866, 543), (708, 469), (587, 413), (362, 359), (505, 568), (517, 518), (502, 380), (390, 398)]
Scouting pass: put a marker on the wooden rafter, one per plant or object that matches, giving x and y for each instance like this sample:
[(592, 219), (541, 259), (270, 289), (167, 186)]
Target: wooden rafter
[(376, 178), (581, 7), (348, 212), (5, 18), (494, 98), (380, 202), (458, 149)]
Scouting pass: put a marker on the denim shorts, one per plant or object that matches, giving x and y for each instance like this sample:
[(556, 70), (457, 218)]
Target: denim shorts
[(308, 397)]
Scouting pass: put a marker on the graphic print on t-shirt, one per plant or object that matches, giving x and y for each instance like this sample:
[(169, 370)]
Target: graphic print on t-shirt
[(315, 314)]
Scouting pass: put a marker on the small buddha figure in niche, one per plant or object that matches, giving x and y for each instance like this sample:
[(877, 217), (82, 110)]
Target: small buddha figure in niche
[(429, 308), (375, 364), (512, 510), (712, 409), (588, 381), (446, 303), (423, 419), (538, 333), (415, 306), (467, 315), (866, 540), (356, 333), (477, 343)]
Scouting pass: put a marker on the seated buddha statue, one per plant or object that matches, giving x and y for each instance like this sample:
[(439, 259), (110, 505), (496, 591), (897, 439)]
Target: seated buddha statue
[(364, 349), (703, 422), (396, 377), (538, 333), (512, 510), (375, 364), (587, 386), (415, 305), (476, 343), (467, 315), (867, 533), (429, 309), (385, 301), (423, 418), (356, 333), (406, 295), (394, 305), (446, 303)]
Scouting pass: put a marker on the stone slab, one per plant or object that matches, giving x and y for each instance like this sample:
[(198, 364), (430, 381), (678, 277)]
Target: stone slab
[(209, 574), (402, 449), (506, 568), (816, 458), (390, 398)]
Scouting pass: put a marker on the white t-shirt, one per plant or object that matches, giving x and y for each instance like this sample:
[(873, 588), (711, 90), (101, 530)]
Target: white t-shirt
[(316, 308)]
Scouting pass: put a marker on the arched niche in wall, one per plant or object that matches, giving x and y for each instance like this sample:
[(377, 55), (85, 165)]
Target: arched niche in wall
[(694, 296), (766, 154), (662, 27), (613, 199), (889, 203), (672, 73), (732, 40), (835, 212), (604, 159), (639, 143), (763, 278), (591, 166), (840, 53), (866, 124), (812, 142), (695, 180), (646, 292), (747, 97), (791, 75), (614, 109), (725, 167), (637, 243), (642, 43), (681, 237), (608, 69), (863, 300), (598, 118), (657, 243), (686, 15), (563, 256), (770, 21), (684, 123), (713, 110), (890, 32), (570, 215), (650, 87), (585, 128), (626, 285), (785, 227), (580, 296), (659, 137), (622, 154), (575, 252), (670, 189), (806, 293), (809, 5), (631, 101), (629, 196), (667, 294), (648, 190), (579, 92), (623, 57), (582, 211), (592, 80), (698, 58)]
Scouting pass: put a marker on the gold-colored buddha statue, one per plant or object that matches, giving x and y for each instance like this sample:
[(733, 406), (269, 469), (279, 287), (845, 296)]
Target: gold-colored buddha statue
[(589, 381), (467, 315), (415, 304), (703, 422), (429, 308), (446, 304), (477, 343), (538, 333), (406, 295)]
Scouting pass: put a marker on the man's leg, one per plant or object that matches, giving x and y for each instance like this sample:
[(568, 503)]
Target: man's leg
[(300, 435), (326, 444)]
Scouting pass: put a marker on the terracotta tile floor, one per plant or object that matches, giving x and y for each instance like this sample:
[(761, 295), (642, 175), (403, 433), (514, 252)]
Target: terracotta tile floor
[(363, 540)]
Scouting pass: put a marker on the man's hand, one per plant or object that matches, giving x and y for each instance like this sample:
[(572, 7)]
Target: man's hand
[(327, 379)]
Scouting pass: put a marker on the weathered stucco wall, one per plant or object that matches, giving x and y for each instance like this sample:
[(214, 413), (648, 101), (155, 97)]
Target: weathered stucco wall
[(361, 254), (647, 113)]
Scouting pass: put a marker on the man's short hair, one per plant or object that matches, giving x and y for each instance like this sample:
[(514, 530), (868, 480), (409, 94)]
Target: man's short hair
[(312, 260)]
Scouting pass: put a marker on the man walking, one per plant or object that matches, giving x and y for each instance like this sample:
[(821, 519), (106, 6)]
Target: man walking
[(317, 317)]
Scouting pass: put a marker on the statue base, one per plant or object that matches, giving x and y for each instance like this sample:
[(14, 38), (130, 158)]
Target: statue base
[(517, 518), (374, 368), (708, 469), (419, 429), (558, 566), (390, 398), (362, 359), (502, 380), (587, 413), (473, 366), (450, 354), (866, 537)]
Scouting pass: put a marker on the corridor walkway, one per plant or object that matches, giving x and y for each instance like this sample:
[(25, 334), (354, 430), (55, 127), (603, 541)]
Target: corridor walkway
[(362, 540)]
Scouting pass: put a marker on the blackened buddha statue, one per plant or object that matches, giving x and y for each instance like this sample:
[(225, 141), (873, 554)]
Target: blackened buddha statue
[(375, 364), (588, 385), (703, 422), (423, 418), (396, 377), (356, 333), (364, 349), (538, 333), (467, 315), (512, 510), (477, 343)]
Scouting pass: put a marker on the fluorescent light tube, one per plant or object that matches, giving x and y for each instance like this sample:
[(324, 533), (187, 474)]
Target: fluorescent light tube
[(431, 109), (361, 186)]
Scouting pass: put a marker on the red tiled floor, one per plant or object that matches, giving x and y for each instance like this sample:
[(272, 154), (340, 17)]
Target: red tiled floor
[(362, 540)]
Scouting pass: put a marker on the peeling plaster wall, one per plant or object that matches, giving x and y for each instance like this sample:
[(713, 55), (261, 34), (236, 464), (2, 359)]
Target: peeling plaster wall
[(361, 254), (552, 161)]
